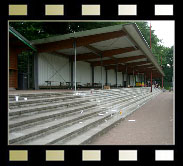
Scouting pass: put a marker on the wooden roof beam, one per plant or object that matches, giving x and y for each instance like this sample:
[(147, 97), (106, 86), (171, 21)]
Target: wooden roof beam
[(107, 53), (144, 67), (115, 66), (80, 41), (117, 61), (133, 64)]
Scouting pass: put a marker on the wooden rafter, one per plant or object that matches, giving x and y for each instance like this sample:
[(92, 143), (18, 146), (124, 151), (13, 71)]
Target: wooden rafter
[(118, 60), (80, 41), (133, 64), (144, 67), (107, 53)]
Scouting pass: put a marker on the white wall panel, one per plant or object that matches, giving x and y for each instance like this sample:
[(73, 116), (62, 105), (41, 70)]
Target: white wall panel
[(52, 68), (97, 74), (111, 77), (138, 78), (83, 73), (122, 79), (132, 80), (125, 77), (119, 75)]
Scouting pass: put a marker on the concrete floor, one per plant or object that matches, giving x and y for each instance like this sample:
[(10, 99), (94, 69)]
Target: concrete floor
[(153, 125)]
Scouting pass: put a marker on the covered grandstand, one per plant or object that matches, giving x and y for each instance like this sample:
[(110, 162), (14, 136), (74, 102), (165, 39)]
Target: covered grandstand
[(117, 56), (113, 57)]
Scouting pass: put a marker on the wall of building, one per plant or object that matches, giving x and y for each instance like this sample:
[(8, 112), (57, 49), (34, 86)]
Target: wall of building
[(111, 77), (97, 75), (83, 73), (53, 68), (120, 79), (132, 80), (57, 68), (13, 68)]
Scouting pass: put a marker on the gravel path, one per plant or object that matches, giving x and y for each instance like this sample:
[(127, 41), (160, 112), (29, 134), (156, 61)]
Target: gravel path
[(153, 125)]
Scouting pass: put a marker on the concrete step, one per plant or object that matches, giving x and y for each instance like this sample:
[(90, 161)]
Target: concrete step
[(26, 120), (57, 126), (87, 136), (59, 131), (61, 136), (38, 95), (27, 134), (20, 111), (32, 102), (46, 116)]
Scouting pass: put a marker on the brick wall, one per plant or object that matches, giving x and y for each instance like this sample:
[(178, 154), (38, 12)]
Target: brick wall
[(13, 68)]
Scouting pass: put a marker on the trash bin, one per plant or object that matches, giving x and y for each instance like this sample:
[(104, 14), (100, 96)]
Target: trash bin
[(22, 81)]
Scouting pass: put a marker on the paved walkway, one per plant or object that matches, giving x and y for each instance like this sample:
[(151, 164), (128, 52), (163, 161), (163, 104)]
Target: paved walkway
[(153, 125)]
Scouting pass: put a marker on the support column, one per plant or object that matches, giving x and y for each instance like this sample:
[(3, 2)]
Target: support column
[(144, 79), (126, 77), (106, 77), (151, 81), (74, 44), (123, 78), (101, 73), (92, 67), (36, 86), (117, 76), (133, 79), (28, 72), (72, 73)]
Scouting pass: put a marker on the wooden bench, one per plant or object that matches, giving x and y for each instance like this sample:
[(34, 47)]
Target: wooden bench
[(49, 83)]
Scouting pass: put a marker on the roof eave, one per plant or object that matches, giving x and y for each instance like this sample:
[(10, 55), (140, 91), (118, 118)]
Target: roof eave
[(134, 33), (21, 38)]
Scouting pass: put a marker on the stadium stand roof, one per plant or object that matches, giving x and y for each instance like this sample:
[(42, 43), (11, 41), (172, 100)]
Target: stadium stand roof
[(120, 46)]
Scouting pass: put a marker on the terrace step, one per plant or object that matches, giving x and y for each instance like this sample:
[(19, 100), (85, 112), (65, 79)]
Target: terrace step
[(55, 124), (46, 116), (61, 136), (37, 95), (32, 102), (87, 137)]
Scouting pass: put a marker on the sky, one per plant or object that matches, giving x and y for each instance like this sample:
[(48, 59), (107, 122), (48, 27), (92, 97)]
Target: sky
[(165, 31)]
